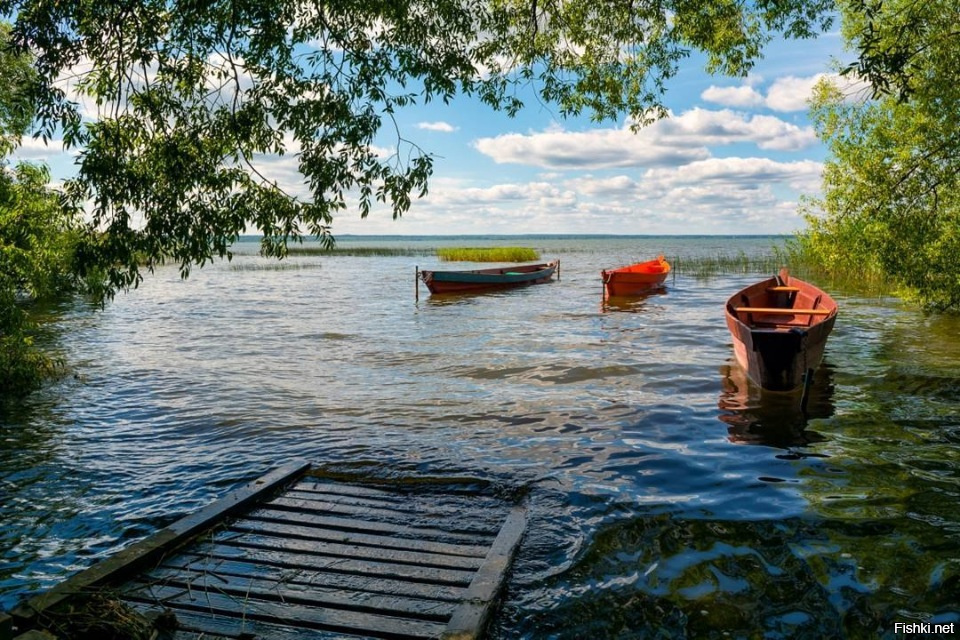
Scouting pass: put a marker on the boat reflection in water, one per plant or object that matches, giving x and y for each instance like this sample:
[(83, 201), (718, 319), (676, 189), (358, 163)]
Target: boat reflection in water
[(632, 303), (756, 416)]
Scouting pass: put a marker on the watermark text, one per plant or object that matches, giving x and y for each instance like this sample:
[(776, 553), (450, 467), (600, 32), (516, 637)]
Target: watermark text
[(914, 628)]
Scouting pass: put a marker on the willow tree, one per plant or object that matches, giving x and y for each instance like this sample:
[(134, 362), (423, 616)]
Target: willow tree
[(892, 183), (36, 233), (185, 97)]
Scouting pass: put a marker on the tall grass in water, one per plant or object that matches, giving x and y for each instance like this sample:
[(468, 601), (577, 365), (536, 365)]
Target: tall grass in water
[(723, 264), (358, 251), (491, 254), (807, 263), (801, 261)]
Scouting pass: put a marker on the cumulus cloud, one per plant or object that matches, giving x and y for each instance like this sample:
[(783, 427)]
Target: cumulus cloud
[(712, 128), (737, 172), (443, 127), (36, 150), (670, 142), (596, 149), (791, 93), (742, 96), (785, 94)]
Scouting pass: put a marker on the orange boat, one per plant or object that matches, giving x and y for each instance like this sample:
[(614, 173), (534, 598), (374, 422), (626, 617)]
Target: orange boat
[(636, 278), (780, 328)]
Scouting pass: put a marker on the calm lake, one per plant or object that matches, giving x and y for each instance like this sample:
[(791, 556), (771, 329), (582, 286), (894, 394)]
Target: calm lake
[(668, 498)]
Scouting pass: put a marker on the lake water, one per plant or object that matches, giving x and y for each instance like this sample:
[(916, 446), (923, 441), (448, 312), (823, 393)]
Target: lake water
[(668, 497)]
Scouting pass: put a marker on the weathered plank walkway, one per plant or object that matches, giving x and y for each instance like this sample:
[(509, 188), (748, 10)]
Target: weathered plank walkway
[(299, 555)]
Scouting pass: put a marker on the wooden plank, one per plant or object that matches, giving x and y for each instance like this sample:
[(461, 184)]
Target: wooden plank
[(785, 312), (321, 578), (393, 495), (253, 525), (367, 526), (154, 586), (470, 618), (463, 525), (435, 506), (309, 562), (151, 548), (208, 626), (783, 289), (332, 549), (295, 616)]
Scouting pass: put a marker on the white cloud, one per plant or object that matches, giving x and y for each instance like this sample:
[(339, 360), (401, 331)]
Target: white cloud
[(742, 96), (673, 141), (596, 149), (791, 93), (785, 94), (36, 150), (736, 173), (708, 128), (443, 127)]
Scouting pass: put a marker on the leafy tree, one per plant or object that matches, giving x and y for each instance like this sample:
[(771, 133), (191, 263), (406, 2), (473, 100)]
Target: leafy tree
[(190, 94), (36, 235), (36, 241), (891, 184)]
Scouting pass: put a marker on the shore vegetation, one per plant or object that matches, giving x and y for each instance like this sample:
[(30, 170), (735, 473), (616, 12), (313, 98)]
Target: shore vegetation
[(890, 208), (487, 254)]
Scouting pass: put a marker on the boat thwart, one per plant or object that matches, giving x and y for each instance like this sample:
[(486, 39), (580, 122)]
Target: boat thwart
[(780, 328)]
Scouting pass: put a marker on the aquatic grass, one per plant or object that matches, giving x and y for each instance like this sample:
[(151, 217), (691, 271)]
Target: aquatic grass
[(855, 279), (274, 266), (375, 252), (487, 254), (706, 267), (858, 278)]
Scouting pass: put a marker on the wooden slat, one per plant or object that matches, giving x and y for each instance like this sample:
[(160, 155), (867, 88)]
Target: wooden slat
[(464, 524), (149, 549), (431, 506), (208, 626), (784, 312), (310, 562), (253, 525), (371, 526), (783, 289), (398, 494), (321, 578), (154, 586), (335, 550), (295, 616), (470, 618)]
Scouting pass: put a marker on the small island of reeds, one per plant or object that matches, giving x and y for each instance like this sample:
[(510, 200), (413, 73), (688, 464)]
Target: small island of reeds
[(487, 254)]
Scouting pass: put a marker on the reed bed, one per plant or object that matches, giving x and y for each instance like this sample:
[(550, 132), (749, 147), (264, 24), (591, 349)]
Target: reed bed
[(724, 264), (274, 266), (861, 282), (359, 251), (487, 254)]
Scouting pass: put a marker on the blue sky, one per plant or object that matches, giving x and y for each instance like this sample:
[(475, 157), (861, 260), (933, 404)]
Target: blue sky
[(733, 158)]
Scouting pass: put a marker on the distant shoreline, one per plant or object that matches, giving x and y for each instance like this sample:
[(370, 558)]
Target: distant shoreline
[(531, 236)]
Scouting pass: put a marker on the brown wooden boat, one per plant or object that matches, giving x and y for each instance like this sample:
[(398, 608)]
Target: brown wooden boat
[(780, 328), (487, 279), (635, 279)]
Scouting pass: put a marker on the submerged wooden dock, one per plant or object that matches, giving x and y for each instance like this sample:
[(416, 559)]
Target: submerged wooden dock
[(302, 554)]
